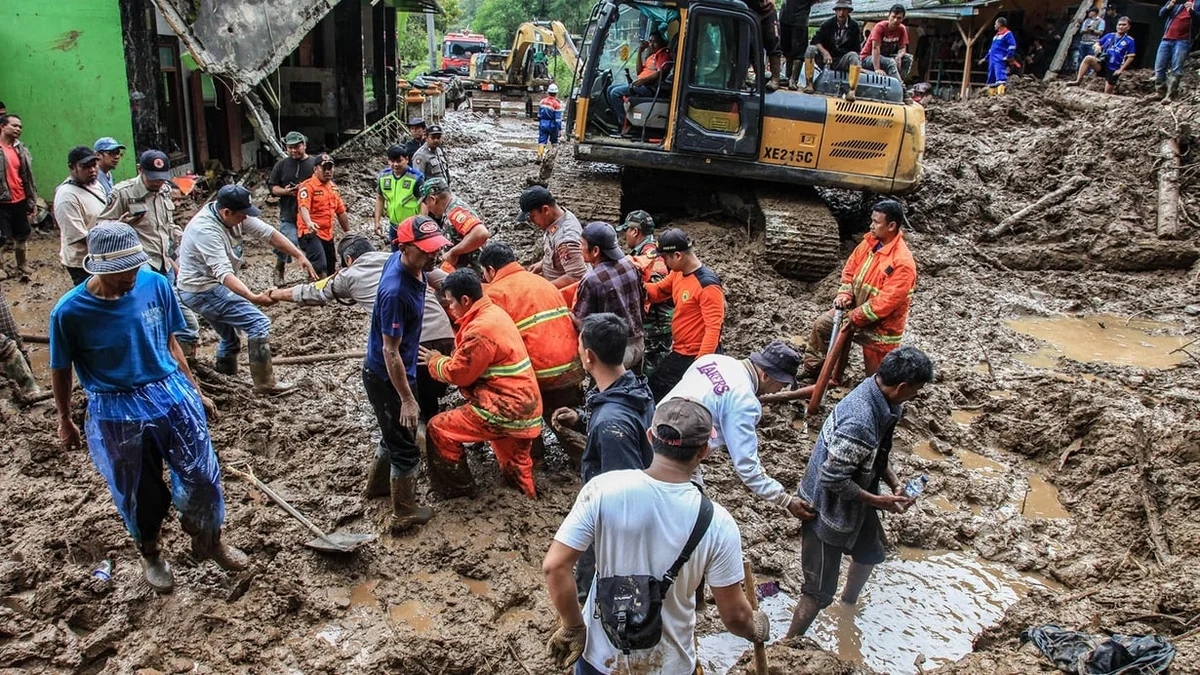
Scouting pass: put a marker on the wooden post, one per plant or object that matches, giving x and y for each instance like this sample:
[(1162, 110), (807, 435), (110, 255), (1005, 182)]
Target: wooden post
[(1168, 190), (1064, 47), (969, 41)]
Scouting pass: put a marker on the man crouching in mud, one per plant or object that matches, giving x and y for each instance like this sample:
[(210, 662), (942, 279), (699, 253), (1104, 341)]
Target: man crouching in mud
[(144, 407), (853, 454)]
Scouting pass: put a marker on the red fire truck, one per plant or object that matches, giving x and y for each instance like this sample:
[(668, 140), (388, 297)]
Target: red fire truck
[(457, 49)]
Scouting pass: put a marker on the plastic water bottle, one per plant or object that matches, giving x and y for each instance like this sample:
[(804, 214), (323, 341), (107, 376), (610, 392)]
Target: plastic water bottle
[(104, 571), (915, 486)]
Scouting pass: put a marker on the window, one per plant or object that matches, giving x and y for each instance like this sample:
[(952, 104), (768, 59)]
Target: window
[(716, 65)]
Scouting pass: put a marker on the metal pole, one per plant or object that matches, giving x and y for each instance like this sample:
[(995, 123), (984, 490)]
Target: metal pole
[(432, 44)]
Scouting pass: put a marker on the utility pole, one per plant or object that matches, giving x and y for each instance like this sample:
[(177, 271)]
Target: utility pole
[(432, 43)]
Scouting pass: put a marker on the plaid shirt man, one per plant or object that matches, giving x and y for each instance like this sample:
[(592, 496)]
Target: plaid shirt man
[(613, 286)]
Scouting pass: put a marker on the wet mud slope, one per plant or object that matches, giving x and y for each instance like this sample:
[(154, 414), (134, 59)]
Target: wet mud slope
[(1064, 450)]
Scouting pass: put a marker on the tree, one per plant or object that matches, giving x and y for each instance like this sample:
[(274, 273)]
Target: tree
[(499, 19), (411, 38)]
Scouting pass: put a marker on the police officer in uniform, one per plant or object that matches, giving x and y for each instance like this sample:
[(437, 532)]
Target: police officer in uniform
[(398, 196), (431, 158)]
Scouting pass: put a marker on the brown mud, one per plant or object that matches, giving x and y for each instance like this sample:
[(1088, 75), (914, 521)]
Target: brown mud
[(996, 435)]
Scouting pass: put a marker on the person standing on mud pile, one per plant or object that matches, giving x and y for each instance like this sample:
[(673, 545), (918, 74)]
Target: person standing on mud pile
[(18, 195), (549, 119), (699, 314), (492, 371), (284, 181), (768, 30), (459, 222), (837, 42), (210, 255), (416, 128), (562, 260), (793, 37), (320, 204), (638, 230), (642, 524), (14, 360), (544, 323), (398, 196), (144, 407), (390, 369), (1115, 52), (852, 456), (109, 151), (730, 388), (430, 158), (78, 201), (613, 285), (1173, 50), (1002, 49), (878, 282)]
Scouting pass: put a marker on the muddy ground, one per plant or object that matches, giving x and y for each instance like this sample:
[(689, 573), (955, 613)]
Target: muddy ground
[(465, 594)]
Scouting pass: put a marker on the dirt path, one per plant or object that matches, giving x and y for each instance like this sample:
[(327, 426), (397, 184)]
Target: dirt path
[(465, 594)]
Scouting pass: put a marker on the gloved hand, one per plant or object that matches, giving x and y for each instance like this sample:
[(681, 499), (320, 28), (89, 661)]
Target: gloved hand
[(567, 643), (762, 626)]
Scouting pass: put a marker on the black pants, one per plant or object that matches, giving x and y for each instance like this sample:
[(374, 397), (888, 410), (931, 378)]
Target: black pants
[(822, 563), (429, 390), (794, 39), (668, 373), (330, 255), (78, 275), (399, 443), (311, 246), (14, 221)]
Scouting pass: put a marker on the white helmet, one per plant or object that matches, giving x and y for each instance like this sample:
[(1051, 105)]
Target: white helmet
[(552, 89)]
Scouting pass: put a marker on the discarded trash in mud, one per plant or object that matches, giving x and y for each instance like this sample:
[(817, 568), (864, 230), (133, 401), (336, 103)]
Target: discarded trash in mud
[(920, 602), (1101, 655), (1104, 337)]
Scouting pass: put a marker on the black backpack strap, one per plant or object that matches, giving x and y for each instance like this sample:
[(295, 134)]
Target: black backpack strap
[(703, 519)]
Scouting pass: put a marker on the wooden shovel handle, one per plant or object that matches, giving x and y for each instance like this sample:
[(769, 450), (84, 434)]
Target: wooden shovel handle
[(760, 650)]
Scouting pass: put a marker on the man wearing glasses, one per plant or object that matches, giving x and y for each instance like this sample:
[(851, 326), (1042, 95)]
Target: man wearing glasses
[(109, 151)]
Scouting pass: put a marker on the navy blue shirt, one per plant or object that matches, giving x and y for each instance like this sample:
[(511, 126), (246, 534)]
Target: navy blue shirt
[(398, 312)]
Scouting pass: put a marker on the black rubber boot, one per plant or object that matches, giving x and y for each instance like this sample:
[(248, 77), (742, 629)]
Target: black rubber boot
[(377, 477), (208, 546), (450, 480), (157, 571), (261, 370), (406, 512), (227, 365)]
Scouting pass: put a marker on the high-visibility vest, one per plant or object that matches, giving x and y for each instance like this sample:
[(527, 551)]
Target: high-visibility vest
[(400, 194)]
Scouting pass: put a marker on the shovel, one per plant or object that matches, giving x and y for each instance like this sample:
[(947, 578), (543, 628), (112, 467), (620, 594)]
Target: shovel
[(335, 542), (760, 650)]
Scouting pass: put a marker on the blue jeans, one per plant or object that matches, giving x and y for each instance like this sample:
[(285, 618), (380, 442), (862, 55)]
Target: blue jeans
[(228, 313), (619, 91), (1172, 53), (288, 230)]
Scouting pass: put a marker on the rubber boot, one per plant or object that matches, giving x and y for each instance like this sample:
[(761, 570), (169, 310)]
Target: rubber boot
[(406, 512), (17, 370), (1172, 88), (1160, 91), (280, 268), (21, 253), (793, 74), (227, 365), (991, 91), (810, 67), (157, 571), (377, 477), (541, 152), (855, 72), (773, 83), (261, 370), (1000, 88), (208, 546), (450, 479)]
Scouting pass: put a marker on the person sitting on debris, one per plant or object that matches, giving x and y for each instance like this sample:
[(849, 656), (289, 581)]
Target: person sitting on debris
[(837, 42), (1174, 47), (398, 195), (430, 159), (653, 523), (390, 369), (562, 260), (730, 388), (1001, 51), (549, 120), (493, 373), (144, 407), (638, 231), (652, 58), (887, 48), (544, 322), (78, 201), (699, 299), (284, 181), (416, 129), (877, 282), (320, 204), (13, 360), (210, 255), (459, 222), (613, 285), (1115, 52), (851, 458), (109, 150)]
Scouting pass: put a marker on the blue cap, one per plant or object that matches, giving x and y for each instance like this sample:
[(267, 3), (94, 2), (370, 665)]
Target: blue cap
[(107, 144), (155, 165)]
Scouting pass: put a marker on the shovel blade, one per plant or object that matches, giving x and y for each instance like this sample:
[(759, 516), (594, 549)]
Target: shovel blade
[(340, 542)]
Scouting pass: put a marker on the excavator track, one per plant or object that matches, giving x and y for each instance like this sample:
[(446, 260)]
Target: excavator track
[(801, 234)]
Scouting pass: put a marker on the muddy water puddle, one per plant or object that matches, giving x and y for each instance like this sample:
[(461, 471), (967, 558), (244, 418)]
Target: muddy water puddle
[(920, 602), (414, 614), (1105, 338), (1041, 501)]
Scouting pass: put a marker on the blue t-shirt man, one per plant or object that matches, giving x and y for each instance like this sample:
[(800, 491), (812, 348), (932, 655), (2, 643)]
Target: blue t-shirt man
[(398, 312), (117, 345), (1115, 48)]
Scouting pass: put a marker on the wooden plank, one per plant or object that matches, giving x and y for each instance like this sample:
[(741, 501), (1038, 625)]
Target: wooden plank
[(1064, 47)]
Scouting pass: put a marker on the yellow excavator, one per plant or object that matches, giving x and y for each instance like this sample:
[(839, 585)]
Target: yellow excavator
[(520, 72), (709, 113)]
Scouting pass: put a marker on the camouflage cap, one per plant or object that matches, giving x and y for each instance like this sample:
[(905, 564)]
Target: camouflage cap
[(639, 219), (434, 186)]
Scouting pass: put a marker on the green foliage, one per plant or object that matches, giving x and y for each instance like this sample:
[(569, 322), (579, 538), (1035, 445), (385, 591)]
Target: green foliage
[(499, 19), (412, 44)]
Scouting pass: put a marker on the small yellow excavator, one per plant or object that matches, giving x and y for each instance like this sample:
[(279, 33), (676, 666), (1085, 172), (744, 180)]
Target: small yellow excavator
[(518, 73), (709, 113)]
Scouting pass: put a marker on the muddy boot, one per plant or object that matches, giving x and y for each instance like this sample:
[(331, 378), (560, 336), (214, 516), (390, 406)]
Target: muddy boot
[(157, 571), (261, 370), (17, 370), (377, 477), (803, 616), (21, 253), (449, 479), (406, 512), (1172, 88), (773, 83), (810, 67), (1160, 91), (227, 365), (793, 74), (208, 546), (280, 268)]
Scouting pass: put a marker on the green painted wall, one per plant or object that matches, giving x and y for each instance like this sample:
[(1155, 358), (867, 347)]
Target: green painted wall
[(64, 74)]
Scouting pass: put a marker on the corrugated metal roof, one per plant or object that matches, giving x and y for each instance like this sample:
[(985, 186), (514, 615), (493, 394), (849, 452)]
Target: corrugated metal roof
[(874, 10)]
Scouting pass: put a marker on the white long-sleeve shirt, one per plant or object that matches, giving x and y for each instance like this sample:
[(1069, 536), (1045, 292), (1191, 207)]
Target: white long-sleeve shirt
[(729, 390)]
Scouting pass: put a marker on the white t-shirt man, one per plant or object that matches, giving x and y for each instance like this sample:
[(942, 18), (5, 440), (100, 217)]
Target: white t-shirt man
[(639, 525)]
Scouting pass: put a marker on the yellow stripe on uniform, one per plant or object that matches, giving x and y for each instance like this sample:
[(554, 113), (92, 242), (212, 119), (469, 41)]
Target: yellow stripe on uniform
[(504, 422), (554, 371), (541, 317), (883, 339), (866, 308), (440, 367), (505, 371)]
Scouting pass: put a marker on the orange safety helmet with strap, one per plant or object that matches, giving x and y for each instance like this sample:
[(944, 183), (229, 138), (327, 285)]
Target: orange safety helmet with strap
[(544, 322)]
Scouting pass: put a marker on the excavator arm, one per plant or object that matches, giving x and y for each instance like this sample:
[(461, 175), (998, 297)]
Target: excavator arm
[(528, 35)]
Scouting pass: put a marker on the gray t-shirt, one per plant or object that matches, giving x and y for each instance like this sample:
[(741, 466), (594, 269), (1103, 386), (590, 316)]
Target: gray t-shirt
[(288, 171), (210, 251)]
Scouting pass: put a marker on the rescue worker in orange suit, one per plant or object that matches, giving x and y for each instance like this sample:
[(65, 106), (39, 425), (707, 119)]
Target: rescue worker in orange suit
[(493, 372), (545, 325), (319, 204), (460, 224), (877, 287), (699, 309)]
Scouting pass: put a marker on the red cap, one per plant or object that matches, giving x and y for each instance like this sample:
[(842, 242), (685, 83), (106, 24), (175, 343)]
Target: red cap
[(422, 231)]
